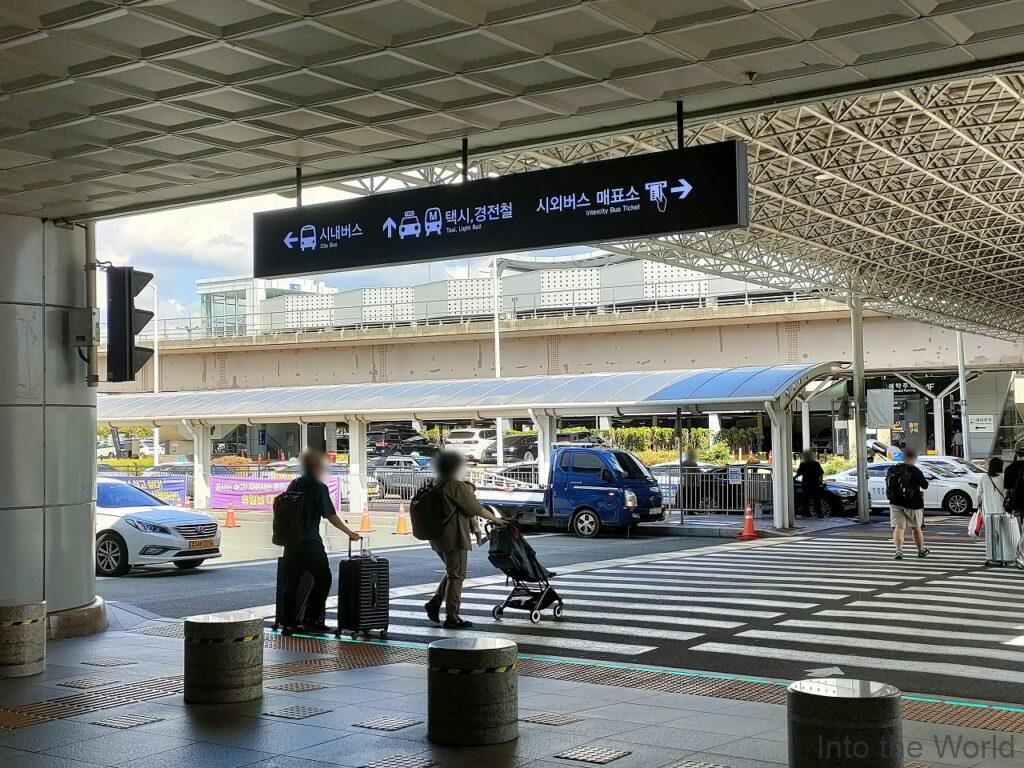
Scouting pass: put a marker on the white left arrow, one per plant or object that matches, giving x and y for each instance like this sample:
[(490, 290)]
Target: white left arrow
[(291, 239), (825, 672)]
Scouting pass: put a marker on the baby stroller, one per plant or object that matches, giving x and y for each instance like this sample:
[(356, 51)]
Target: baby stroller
[(531, 587)]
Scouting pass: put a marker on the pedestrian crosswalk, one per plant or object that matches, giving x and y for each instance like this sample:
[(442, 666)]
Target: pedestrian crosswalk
[(940, 624)]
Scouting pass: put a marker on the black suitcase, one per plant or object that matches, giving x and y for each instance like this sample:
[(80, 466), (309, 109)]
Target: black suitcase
[(363, 584), (302, 591)]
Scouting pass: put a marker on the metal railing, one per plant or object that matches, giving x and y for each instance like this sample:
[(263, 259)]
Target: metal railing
[(721, 490), (625, 299)]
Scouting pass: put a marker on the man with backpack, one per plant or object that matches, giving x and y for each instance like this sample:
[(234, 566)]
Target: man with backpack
[(812, 480), (903, 485), (297, 515), (442, 513)]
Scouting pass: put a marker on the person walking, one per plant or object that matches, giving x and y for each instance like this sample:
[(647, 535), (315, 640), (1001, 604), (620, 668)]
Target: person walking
[(903, 485), (993, 493), (1013, 489), (958, 443), (812, 478), (309, 555), (454, 543)]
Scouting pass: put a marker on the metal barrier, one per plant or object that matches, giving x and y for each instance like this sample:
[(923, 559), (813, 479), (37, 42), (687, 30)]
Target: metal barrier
[(508, 478), (718, 490)]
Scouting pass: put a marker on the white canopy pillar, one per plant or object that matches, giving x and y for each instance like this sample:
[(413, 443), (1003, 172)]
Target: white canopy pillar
[(604, 422), (357, 467), (782, 477), (714, 426), (805, 425), (303, 436), (499, 440), (331, 436), (545, 440), (858, 440), (202, 451), (939, 424)]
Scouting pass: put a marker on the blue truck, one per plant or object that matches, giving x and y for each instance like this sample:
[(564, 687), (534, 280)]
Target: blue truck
[(590, 489)]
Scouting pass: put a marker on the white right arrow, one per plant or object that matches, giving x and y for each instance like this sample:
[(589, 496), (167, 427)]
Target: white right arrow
[(390, 227), (290, 239), (825, 672), (683, 189)]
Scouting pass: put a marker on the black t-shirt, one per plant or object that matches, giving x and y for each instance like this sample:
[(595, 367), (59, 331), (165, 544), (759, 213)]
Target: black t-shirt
[(810, 473), (318, 504), (917, 482)]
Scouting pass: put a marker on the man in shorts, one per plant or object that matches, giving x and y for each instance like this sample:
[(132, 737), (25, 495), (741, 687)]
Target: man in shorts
[(903, 485)]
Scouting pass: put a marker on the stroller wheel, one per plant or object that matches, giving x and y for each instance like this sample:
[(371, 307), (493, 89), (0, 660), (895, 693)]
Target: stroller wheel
[(535, 617), (496, 612), (557, 611)]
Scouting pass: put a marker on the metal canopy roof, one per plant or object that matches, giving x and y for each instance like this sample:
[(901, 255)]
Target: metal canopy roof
[(110, 105), (646, 392)]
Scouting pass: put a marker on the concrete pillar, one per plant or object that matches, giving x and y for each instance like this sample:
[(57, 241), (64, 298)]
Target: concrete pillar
[(22, 640), (782, 476), (859, 434), (223, 658), (331, 436), (303, 437), (48, 416), (604, 422), (939, 424), (357, 467), (202, 451), (965, 422), (546, 429), (805, 425), (714, 425), (499, 428), (786, 467)]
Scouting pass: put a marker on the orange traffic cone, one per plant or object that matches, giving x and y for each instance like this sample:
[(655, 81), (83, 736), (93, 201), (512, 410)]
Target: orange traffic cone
[(402, 529), (229, 521), (749, 531), (365, 524)]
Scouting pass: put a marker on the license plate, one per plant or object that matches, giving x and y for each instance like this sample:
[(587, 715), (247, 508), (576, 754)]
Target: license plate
[(202, 544), (655, 510)]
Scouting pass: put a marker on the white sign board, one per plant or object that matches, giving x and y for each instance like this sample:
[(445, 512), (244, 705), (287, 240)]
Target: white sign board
[(981, 423)]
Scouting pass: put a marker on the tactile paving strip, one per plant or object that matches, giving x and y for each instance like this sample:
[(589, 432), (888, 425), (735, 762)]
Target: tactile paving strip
[(297, 712), (388, 723), (124, 722), (551, 718), (402, 761), (593, 755), (299, 687)]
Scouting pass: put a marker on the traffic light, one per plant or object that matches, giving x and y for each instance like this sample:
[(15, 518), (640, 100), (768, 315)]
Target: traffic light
[(124, 321)]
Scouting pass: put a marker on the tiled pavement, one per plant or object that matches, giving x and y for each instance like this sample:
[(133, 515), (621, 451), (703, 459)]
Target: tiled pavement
[(656, 729)]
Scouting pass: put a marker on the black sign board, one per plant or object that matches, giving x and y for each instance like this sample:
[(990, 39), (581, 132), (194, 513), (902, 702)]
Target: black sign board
[(680, 190)]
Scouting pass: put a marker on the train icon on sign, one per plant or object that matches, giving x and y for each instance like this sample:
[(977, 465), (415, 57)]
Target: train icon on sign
[(432, 222), (307, 238)]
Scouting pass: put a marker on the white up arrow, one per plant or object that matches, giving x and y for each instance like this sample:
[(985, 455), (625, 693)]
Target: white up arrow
[(390, 227)]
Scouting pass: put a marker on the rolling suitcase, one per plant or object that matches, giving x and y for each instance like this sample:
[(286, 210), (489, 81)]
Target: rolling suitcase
[(363, 584), (1002, 535), (302, 591)]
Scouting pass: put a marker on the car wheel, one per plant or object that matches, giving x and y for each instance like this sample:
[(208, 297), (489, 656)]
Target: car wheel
[(957, 503), (111, 555), (188, 565), (528, 456), (586, 524)]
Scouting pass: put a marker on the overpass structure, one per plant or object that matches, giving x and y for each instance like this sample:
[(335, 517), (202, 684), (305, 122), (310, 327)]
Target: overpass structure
[(883, 145), (766, 389)]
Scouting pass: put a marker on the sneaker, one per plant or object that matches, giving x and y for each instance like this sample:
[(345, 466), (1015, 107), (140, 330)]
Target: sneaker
[(923, 552), (899, 554), (433, 612), (456, 623)]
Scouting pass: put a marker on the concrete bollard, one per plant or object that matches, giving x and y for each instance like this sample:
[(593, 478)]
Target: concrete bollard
[(472, 691), (844, 724), (22, 640), (223, 658)]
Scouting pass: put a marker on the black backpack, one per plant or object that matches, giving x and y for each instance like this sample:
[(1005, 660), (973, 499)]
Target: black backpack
[(429, 512), (290, 516), (899, 486)]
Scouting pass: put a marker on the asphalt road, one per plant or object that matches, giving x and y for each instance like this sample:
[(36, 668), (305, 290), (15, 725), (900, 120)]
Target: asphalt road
[(168, 591)]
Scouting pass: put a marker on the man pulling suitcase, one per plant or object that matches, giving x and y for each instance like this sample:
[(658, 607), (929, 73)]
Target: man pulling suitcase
[(297, 515)]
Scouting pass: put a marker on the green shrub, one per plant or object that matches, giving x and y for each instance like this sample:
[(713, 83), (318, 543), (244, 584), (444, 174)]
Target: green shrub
[(837, 464)]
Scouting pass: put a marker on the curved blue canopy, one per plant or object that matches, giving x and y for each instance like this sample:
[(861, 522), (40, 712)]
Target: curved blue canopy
[(745, 388)]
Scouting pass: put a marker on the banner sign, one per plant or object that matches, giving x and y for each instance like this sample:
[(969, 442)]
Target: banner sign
[(257, 493), (171, 490), (679, 190)]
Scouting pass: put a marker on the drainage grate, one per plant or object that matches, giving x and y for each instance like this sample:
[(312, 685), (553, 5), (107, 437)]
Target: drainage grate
[(388, 723), (299, 687), (552, 718), (85, 683), (297, 712), (402, 761), (593, 755), (109, 663), (124, 722)]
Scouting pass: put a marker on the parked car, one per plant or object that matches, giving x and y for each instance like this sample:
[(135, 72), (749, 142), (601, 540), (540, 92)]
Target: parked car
[(398, 439), (952, 493), (134, 528), (106, 469), (472, 442), (105, 450), (954, 464), (402, 475), (524, 447), (839, 500)]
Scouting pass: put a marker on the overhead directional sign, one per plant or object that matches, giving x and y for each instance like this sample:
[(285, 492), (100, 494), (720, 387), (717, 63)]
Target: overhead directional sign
[(680, 190)]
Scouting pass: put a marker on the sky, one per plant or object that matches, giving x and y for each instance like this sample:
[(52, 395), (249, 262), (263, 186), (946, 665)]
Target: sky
[(183, 245)]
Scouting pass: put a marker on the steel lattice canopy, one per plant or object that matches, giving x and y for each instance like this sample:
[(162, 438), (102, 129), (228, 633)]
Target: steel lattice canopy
[(645, 392)]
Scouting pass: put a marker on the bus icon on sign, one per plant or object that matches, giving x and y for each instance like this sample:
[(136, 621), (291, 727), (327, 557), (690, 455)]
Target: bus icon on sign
[(307, 238)]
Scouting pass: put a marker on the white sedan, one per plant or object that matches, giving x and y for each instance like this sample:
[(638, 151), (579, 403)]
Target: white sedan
[(134, 528), (950, 492)]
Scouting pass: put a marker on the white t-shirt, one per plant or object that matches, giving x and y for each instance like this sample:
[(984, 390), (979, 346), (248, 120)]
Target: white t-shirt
[(992, 495)]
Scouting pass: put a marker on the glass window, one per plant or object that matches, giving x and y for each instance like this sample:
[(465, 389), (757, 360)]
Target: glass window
[(587, 462), (488, 434), (461, 435), (564, 461), (115, 495), (875, 471), (633, 468)]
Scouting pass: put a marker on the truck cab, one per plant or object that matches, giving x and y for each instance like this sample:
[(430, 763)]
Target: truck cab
[(590, 489)]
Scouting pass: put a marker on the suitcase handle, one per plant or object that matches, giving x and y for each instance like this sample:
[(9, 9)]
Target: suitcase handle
[(364, 548)]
